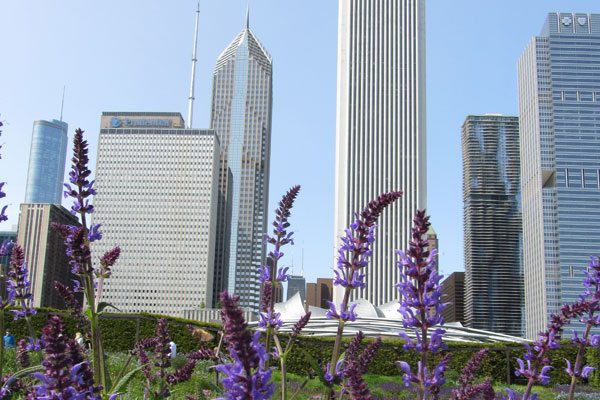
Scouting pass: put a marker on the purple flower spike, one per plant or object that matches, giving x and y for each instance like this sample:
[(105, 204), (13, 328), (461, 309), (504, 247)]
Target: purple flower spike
[(246, 377)]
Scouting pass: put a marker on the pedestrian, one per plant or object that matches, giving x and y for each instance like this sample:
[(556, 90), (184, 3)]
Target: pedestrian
[(173, 349), (9, 340)]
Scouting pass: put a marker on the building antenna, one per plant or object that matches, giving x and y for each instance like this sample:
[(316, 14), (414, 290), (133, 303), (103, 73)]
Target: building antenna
[(191, 98), (62, 103), (302, 259)]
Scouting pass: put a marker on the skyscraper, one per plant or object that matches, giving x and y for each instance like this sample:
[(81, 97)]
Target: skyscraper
[(47, 159), (492, 224), (241, 117), (380, 138), (44, 251), (296, 284), (559, 115), (157, 188)]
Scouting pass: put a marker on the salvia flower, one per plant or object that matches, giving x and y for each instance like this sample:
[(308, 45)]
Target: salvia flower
[(246, 377), (22, 354), (466, 389), (62, 379), (19, 285), (353, 255), (344, 315), (356, 365), (334, 377), (270, 318), (421, 307)]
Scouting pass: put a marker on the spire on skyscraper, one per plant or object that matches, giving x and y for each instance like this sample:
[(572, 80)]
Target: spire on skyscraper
[(248, 16)]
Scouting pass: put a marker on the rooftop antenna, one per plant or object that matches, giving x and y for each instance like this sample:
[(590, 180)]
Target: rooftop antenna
[(62, 103), (248, 15), (191, 98), (302, 265)]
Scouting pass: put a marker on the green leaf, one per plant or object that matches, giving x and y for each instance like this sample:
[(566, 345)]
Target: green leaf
[(315, 365), (26, 371), (102, 305), (207, 384), (126, 378)]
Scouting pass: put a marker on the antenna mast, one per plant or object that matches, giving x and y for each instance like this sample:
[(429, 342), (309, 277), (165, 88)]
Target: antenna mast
[(191, 98), (62, 103)]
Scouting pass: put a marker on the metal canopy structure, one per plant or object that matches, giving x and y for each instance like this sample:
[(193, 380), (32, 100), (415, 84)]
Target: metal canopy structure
[(375, 321)]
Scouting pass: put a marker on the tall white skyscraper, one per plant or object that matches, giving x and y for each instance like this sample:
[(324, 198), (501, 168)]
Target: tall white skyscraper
[(157, 186), (380, 138)]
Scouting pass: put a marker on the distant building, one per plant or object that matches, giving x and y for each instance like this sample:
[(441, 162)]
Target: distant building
[(157, 200), (5, 238), (296, 284), (559, 116), (317, 294), (47, 158), (242, 98), (453, 290), (278, 293), (5, 255), (433, 245), (380, 129), (45, 251)]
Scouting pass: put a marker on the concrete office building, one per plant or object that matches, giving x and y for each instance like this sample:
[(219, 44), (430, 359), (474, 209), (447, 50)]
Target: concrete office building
[(45, 251), (559, 115), (47, 158), (241, 117), (380, 138), (157, 200), (492, 223)]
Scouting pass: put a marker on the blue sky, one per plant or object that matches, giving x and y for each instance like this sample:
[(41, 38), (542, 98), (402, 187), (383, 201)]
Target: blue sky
[(135, 56)]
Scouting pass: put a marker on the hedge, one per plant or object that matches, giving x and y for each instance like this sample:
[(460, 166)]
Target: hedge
[(120, 332)]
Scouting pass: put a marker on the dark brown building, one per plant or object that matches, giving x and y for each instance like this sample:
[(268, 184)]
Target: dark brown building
[(453, 292), (44, 251), (318, 293), (278, 293)]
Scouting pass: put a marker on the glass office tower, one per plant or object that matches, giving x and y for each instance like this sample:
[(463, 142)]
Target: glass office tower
[(241, 117), (47, 159), (380, 129), (492, 224), (559, 115)]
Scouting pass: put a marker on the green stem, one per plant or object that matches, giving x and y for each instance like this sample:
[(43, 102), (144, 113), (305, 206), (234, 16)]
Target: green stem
[(578, 361), (282, 358), (1, 342)]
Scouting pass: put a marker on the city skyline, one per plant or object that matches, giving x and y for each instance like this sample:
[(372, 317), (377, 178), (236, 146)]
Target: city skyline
[(140, 75)]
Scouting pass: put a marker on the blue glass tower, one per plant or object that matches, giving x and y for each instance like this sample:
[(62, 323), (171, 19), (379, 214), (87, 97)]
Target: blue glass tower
[(46, 162), (559, 114)]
